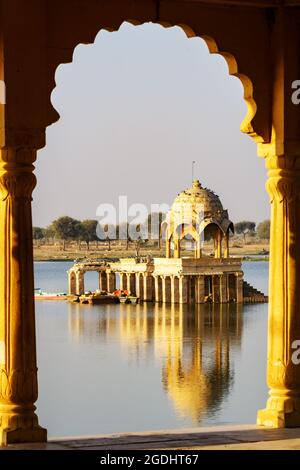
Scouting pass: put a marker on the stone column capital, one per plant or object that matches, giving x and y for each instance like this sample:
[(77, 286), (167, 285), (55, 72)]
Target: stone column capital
[(23, 138), (283, 185), (17, 180)]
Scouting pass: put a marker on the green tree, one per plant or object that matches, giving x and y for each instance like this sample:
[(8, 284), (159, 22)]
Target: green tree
[(245, 227), (38, 233), (49, 233), (66, 228), (89, 231), (263, 230)]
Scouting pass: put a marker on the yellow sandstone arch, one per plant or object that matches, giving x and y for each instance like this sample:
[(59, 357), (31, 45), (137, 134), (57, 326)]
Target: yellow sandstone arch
[(260, 42)]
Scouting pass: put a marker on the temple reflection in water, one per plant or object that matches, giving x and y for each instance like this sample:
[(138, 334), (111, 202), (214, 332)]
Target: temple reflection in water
[(191, 344)]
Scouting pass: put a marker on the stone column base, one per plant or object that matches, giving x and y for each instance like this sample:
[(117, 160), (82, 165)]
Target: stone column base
[(20, 428), (278, 418)]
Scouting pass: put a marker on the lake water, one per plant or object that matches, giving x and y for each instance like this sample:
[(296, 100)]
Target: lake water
[(126, 368)]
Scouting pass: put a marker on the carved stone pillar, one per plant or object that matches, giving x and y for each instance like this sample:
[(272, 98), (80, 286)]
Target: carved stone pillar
[(200, 289), (72, 282), (213, 288), (166, 289), (217, 288), (183, 290), (176, 289), (218, 244), (283, 376), (128, 282), (139, 286), (223, 288), (168, 247), (199, 249), (158, 288), (80, 283), (131, 285), (18, 368), (164, 293), (177, 248), (102, 281), (226, 249), (173, 289), (111, 281), (148, 293), (123, 282)]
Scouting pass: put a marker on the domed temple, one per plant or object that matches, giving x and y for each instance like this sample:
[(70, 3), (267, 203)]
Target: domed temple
[(196, 215), (186, 275)]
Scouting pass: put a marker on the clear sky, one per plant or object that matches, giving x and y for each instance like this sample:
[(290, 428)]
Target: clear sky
[(137, 107)]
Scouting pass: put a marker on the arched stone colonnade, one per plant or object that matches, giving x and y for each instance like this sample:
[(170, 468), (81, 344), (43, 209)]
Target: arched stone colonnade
[(76, 285), (167, 281), (220, 241)]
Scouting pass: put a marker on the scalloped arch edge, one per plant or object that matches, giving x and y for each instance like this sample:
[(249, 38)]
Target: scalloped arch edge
[(246, 125)]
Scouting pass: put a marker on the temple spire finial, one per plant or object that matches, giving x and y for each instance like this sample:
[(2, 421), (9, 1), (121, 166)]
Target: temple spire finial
[(195, 182), (193, 170)]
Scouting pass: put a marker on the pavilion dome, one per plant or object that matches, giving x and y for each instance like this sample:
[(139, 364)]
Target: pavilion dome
[(202, 204), (199, 195)]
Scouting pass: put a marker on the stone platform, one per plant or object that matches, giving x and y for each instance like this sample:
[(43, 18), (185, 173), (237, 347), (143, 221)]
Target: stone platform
[(239, 437), (166, 280)]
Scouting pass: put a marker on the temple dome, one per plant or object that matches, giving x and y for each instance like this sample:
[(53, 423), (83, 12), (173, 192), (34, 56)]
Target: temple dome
[(202, 205), (198, 195)]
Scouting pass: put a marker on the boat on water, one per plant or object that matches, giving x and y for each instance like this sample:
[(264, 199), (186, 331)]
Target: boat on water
[(40, 295), (98, 298), (126, 298), (103, 297), (129, 300)]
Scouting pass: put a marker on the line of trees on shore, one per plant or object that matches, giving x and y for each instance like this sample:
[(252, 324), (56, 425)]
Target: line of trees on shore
[(250, 229), (66, 229)]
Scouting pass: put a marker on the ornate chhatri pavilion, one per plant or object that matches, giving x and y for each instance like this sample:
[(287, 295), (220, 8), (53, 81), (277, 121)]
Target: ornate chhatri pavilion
[(196, 215)]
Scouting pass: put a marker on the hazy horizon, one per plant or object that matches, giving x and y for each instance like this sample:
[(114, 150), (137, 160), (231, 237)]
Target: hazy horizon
[(137, 107)]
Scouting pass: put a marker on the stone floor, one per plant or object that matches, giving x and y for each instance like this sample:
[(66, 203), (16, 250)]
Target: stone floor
[(246, 437)]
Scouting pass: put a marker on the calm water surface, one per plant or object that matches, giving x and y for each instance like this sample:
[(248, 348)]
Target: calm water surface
[(119, 368)]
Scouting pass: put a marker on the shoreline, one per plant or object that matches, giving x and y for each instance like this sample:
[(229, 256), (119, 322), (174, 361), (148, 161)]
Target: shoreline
[(248, 258)]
